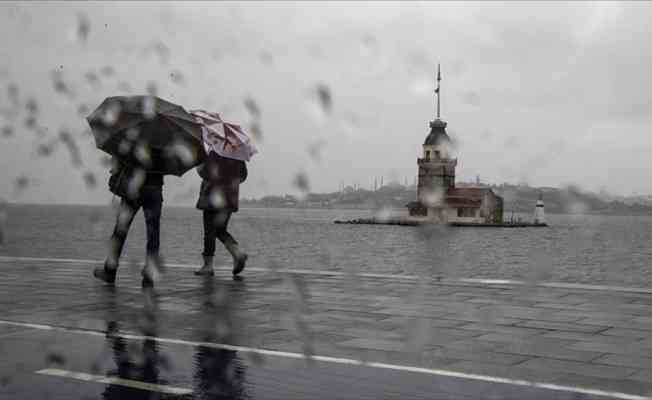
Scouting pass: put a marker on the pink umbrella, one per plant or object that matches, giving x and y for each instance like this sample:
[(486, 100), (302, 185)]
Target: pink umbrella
[(227, 140)]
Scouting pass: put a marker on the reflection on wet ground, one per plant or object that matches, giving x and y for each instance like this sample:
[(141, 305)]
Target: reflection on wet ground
[(62, 335)]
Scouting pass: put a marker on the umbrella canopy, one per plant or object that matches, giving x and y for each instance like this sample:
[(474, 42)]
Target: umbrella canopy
[(149, 133), (225, 139)]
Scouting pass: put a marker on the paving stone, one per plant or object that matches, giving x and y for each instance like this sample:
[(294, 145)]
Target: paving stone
[(479, 356), (512, 331), (374, 344), (548, 350), (630, 348), (563, 326), (434, 322), (579, 368), (589, 337), (505, 371), (626, 332), (628, 360)]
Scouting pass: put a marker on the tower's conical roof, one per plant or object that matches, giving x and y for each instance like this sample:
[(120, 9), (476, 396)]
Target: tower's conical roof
[(437, 134)]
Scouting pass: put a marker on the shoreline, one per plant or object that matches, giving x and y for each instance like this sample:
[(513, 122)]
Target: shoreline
[(363, 209)]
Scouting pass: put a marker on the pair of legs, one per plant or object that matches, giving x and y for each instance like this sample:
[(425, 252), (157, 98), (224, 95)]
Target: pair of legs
[(215, 225), (151, 202)]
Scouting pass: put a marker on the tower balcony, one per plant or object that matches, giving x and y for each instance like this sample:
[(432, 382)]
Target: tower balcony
[(434, 160)]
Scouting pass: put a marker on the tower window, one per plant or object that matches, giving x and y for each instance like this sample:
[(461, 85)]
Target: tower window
[(427, 154)]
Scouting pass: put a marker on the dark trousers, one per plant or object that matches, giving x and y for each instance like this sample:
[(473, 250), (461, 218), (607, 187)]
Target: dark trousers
[(151, 201), (215, 224)]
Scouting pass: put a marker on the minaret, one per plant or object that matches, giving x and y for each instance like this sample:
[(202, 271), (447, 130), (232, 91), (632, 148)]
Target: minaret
[(539, 214), (437, 166)]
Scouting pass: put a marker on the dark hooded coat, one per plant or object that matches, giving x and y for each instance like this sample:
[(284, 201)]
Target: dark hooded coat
[(220, 186)]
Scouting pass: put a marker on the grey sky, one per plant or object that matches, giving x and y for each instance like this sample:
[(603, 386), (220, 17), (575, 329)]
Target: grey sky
[(544, 93)]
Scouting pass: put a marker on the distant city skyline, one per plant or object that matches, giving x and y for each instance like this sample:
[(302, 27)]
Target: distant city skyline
[(551, 94)]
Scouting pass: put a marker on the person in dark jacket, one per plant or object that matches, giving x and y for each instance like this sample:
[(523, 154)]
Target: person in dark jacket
[(136, 188), (218, 199)]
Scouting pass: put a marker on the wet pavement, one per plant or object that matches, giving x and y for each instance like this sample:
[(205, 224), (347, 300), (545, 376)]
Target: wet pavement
[(311, 335)]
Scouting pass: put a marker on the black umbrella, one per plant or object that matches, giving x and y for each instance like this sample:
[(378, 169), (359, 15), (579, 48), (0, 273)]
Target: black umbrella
[(149, 133)]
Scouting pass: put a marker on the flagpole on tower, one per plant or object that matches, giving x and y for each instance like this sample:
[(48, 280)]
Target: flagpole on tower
[(437, 90)]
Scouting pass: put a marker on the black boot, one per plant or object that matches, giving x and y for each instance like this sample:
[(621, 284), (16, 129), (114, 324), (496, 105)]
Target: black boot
[(105, 273), (239, 263)]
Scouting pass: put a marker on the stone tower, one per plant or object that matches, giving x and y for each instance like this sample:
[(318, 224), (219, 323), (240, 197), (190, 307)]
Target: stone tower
[(437, 166)]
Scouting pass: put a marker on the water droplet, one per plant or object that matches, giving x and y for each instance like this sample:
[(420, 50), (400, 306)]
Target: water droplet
[(83, 27), (89, 179), (7, 131), (55, 358), (135, 183), (252, 107), (111, 113), (143, 154), (149, 107), (151, 88), (107, 71), (183, 152), (45, 149), (75, 154), (216, 198), (315, 149), (83, 110), (21, 182), (12, 93), (124, 86), (325, 97), (92, 78), (32, 106), (255, 130), (30, 122), (301, 182), (177, 77)]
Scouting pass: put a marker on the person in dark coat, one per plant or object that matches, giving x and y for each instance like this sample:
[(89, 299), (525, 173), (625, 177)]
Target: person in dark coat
[(136, 188), (218, 199)]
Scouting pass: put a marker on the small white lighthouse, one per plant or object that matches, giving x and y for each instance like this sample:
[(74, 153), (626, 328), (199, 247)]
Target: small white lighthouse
[(539, 214)]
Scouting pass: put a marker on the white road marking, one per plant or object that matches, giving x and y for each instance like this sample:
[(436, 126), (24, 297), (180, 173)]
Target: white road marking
[(346, 361), (400, 277), (152, 387)]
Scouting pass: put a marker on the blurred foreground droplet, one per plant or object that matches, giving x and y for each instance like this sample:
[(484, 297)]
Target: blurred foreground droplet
[(135, 183), (12, 93), (92, 78), (83, 110), (301, 182), (60, 86), (177, 77), (252, 107), (4, 215), (325, 97), (124, 86), (83, 27), (315, 149), (107, 71), (75, 154), (151, 88), (90, 180), (45, 149), (160, 50), (55, 359), (7, 130), (21, 182), (255, 130), (32, 106), (320, 102)]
